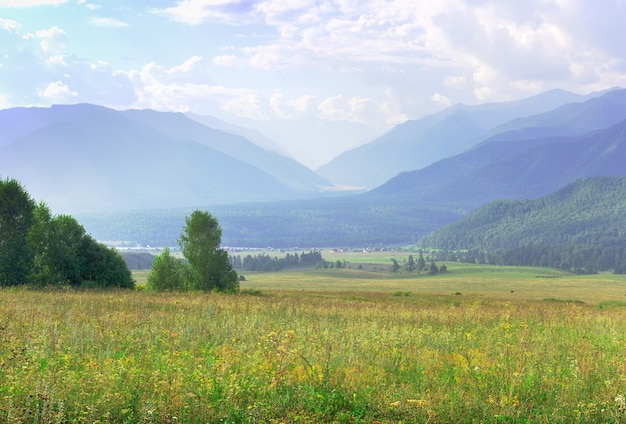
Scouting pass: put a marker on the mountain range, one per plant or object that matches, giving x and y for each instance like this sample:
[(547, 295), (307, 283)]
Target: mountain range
[(90, 158), (537, 156), (87, 158), (419, 143)]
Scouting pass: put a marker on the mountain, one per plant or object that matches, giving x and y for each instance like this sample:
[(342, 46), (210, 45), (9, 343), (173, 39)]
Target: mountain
[(286, 170), (520, 167), (86, 158), (248, 133), (568, 120), (581, 228), (416, 144), (587, 211)]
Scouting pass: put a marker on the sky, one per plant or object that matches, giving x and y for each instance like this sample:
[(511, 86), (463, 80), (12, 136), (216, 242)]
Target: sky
[(316, 76)]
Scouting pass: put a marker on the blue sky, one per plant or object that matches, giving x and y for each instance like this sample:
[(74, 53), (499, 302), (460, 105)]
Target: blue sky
[(317, 76)]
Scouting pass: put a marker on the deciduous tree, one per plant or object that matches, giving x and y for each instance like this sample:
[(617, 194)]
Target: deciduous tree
[(167, 273), (16, 218), (209, 266)]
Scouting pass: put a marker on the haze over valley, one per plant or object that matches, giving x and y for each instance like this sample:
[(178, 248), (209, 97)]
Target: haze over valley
[(133, 175)]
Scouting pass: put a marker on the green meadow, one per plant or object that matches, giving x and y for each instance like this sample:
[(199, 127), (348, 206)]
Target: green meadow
[(352, 345)]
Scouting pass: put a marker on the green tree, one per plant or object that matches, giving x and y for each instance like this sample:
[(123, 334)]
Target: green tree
[(65, 254), (209, 266), (16, 217), (421, 263), (103, 267), (395, 266), (56, 244), (433, 269), (411, 264), (167, 273)]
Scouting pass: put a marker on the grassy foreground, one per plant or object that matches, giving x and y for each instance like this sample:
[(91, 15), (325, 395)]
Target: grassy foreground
[(299, 357)]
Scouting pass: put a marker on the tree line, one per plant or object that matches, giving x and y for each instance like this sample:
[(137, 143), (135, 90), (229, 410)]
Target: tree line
[(40, 249), (576, 259), (266, 263), (419, 265)]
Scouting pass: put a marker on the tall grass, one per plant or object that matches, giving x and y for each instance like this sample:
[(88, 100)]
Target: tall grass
[(122, 356)]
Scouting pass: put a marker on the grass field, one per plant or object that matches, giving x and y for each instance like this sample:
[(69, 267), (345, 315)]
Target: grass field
[(477, 344)]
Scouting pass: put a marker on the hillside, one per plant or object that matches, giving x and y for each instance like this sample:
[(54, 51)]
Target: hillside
[(516, 168), (588, 215), (417, 144), (90, 158)]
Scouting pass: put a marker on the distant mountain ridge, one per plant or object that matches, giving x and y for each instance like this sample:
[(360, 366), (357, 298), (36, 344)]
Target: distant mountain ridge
[(416, 144), (140, 160), (247, 133), (515, 166), (86, 157)]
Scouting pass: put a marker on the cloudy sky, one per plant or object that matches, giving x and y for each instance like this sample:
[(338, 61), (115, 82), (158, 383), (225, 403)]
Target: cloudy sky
[(317, 76)]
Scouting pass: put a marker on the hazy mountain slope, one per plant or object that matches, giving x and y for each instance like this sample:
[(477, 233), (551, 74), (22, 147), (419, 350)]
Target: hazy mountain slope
[(512, 170), (568, 120), (288, 171), (21, 121), (416, 144), (587, 212), (247, 133), (93, 158)]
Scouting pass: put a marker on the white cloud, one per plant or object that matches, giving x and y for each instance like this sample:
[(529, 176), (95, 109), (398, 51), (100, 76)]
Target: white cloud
[(90, 6), (53, 39), (489, 49), (440, 99), (289, 108), (338, 108), (4, 101), (195, 12), (185, 67), (30, 3), (108, 22), (56, 91), (300, 104), (456, 81), (246, 105), (56, 60), (392, 109), (162, 88), (9, 25), (485, 94), (225, 60)]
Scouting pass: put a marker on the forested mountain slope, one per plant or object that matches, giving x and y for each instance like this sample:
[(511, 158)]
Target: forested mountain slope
[(586, 221)]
